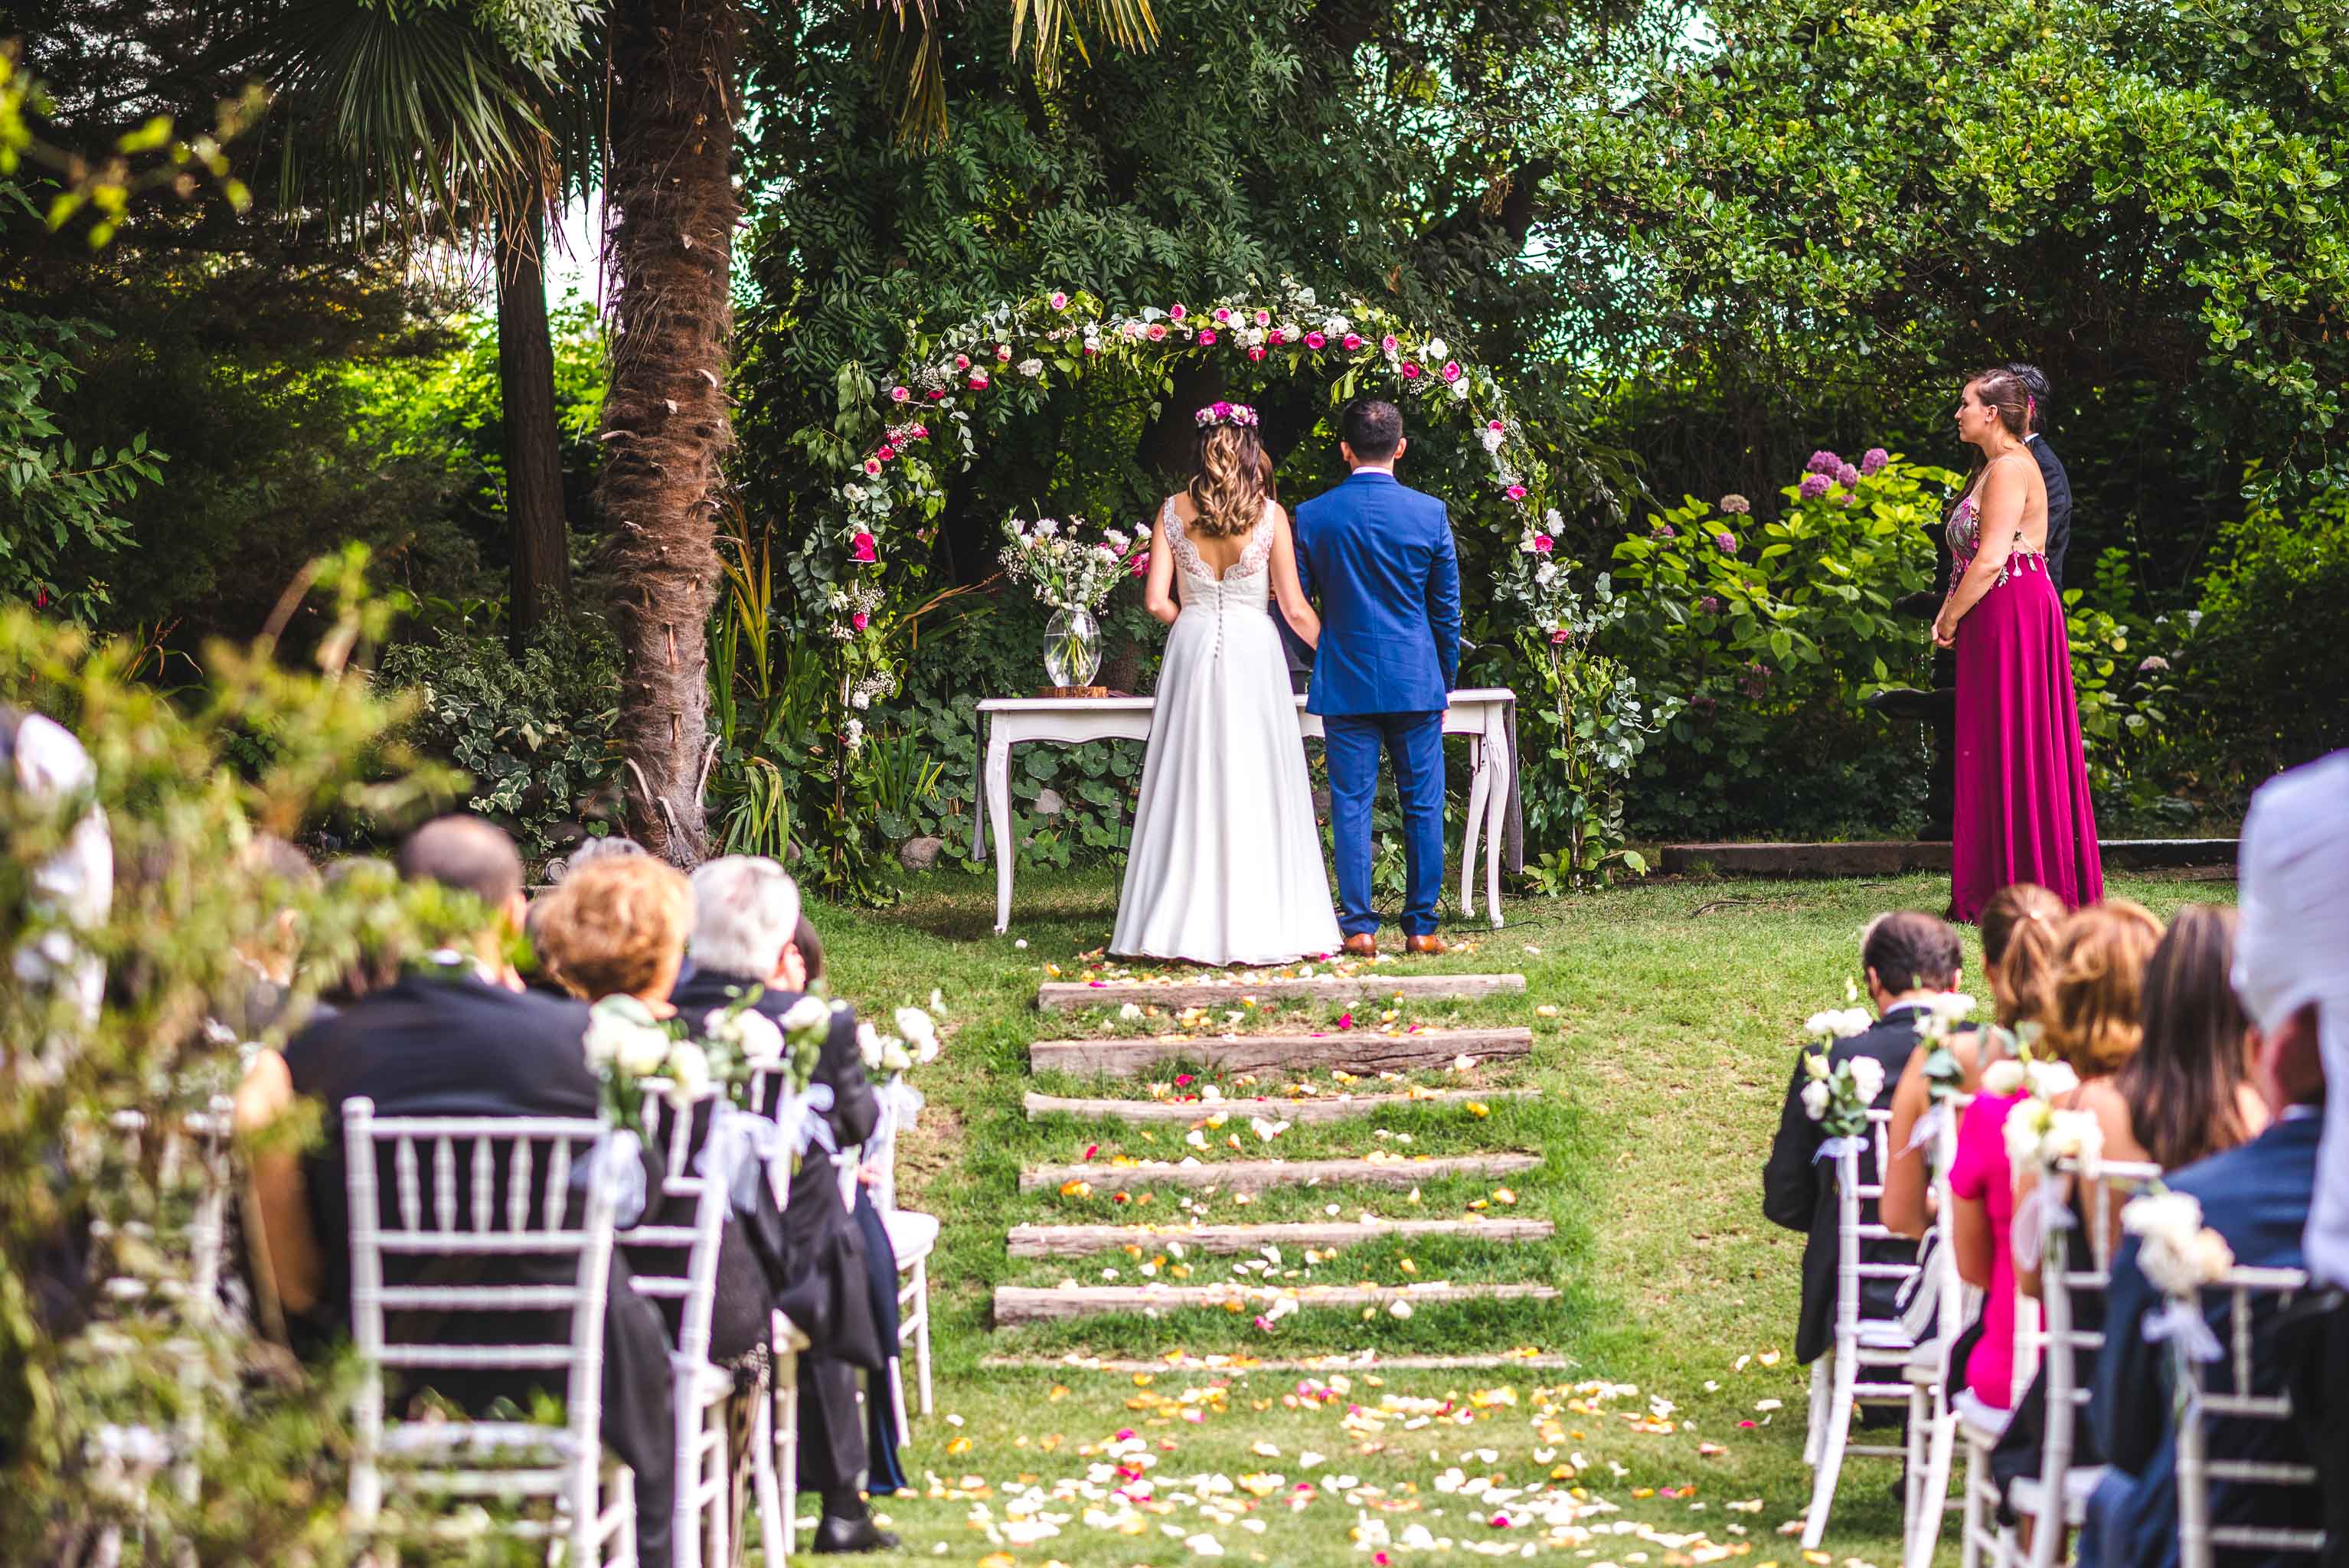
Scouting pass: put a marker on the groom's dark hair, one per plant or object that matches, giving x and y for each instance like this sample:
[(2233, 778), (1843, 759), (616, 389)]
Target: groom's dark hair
[(2035, 382), (1373, 427)]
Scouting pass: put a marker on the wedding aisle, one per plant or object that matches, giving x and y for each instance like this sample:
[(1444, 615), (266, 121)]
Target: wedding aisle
[(1565, 1332)]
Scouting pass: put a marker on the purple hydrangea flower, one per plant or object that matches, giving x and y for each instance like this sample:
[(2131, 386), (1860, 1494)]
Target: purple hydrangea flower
[(1710, 604), (1736, 505), (1873, 461), (1725, 542), (1666, 531), (1815, 485), (1846, 476), (1823, 462)]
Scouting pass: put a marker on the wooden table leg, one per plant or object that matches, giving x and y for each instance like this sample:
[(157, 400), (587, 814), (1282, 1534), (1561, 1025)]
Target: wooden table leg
[(979, 793), (1480, 781), (1501, 771), (998, 812)]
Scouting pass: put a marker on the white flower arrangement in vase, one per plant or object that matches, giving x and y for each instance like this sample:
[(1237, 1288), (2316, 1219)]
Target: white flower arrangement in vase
[(1071, 575)]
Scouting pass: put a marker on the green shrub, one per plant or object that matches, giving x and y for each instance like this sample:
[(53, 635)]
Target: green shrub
[(1770, 636), (2262, 683), (534, 731)]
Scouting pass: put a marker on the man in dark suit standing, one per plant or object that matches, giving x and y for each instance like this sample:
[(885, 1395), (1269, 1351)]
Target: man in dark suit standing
[(455, 1036), (746, 909), (1910, 957), (2051, 470)]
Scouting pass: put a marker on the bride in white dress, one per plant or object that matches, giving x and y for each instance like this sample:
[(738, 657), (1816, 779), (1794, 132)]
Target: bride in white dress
[(1225, 862)]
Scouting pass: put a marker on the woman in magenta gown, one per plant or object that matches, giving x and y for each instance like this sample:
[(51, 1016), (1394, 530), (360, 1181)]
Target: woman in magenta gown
[(2023, 809)]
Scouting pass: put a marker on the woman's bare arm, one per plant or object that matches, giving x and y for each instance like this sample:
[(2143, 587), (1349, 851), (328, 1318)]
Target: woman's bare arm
[(1902, 1207), (288, 1255), (1158, 594), (1295, 608)]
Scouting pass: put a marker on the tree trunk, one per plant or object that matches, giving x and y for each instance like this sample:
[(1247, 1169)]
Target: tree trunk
[(541, 542), (670, 210)]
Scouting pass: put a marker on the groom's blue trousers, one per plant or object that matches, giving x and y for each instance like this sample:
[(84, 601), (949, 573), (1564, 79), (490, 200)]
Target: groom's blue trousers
[(1415, 744)]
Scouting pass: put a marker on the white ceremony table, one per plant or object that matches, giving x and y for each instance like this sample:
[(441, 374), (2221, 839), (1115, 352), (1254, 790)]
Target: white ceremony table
[(1482, 714)]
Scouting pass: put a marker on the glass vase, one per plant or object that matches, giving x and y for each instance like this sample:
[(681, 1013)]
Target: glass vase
[(1072, 647)]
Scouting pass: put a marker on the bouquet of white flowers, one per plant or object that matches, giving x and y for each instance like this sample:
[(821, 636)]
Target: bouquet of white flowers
[(626, 1044), (1066, 570), (1837, 1098), (2179, 1253)]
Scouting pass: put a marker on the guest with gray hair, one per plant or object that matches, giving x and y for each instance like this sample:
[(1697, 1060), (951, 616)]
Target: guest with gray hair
[(746, 914)]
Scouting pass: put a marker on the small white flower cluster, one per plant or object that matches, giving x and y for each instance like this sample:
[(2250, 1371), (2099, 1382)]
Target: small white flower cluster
[(623, 1040), (2045, 1079), (2037, 1134), (1837, 1096), (1838, 1023), (871, 689), (915, 1041), (1067, 570), (2178, 1253), (853, 607), (751, 1034)]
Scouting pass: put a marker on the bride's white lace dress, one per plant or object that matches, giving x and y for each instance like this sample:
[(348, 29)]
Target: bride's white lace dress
[(1226, 863)]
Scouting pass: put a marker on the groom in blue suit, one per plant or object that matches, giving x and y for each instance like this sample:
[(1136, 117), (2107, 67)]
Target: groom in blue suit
[(1379, 557)]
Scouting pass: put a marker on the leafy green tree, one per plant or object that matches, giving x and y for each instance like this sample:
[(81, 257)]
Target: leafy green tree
[(58, 499)]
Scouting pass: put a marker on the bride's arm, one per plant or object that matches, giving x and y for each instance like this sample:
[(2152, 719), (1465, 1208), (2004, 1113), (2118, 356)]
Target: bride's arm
[(1999, 514), (1157, 595), (1295, 608)]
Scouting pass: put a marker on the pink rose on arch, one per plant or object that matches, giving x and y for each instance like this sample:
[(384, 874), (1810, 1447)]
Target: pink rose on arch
[(1411, 372), (885, 453), (863, 549), (1873, 461), (1222, 315), (860, 620), (900, 394), (921, 432), (1059, 302), (1452, 371), (1351, 341), (1141, 565), (1255, 354), (1515, 493), (1389, 342), (1264, 318), (873, 467), (1544, 544), (1206, 334), (1495, 425), (962, 362), (979, 381), (1315, 340), (1559, 635), (938, 397), (1176, 312), (1157, 332), (1003, 353)]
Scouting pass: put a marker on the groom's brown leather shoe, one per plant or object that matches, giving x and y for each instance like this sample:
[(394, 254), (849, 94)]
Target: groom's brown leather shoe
[(1430, 942), (1362, 945)]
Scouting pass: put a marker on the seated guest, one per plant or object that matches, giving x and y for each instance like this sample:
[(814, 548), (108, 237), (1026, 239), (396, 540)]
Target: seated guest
[(746, 912), (2291, 969), (1910, 958), (1904, 1205), (2257, 1196), (1981, 1185), (451, 1037)]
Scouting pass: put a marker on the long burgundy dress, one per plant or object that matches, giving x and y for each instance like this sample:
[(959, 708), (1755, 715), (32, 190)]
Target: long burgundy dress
[(2023, 809)]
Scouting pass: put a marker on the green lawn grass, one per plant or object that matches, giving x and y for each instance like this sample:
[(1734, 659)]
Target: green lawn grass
[(1677, 1009)]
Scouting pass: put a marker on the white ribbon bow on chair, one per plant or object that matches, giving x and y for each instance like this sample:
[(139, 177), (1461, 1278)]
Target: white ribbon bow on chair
[(2182, 1322)]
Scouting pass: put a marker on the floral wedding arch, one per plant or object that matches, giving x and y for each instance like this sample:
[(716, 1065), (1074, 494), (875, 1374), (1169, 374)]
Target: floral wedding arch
[(933, 409)]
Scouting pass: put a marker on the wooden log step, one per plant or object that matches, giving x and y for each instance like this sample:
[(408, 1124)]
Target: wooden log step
[(1254, 1175), (1356, 1050), (1028, 1304), (1359, 1361), (1063, 995), (1300, 1108), (1079, 1241)]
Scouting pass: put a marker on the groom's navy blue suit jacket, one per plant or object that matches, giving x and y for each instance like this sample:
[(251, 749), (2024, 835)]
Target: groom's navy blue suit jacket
[(1379, 557)]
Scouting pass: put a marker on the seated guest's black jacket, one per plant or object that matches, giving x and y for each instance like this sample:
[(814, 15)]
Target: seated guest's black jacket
[(1798, 1190)]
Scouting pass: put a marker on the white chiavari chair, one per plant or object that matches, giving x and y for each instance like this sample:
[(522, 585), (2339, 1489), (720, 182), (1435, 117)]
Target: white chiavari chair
[(513, 1199), (2198, 1535), (912, 1237), (775, 1430), (704, 1503), (1854, 1371), (1932, 1409)]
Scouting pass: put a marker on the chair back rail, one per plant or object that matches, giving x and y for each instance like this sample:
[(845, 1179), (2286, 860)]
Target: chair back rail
[(2199, 1537)]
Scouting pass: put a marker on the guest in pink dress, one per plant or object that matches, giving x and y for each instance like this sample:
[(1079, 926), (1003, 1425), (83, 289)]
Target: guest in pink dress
[(1983, 1186), (2023, 811)]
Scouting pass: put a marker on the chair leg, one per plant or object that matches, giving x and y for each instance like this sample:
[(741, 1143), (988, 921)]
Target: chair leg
[(718, 1554), (772, 1538), (1971, 1538), (787, 1446), (922, 1330), (1933, 1491), (1837, 1434), (897, 1400), (1822, 1381), (1913, 1462)]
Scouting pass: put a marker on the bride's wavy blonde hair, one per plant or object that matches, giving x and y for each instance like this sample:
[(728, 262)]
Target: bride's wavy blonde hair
[(1231, 479)]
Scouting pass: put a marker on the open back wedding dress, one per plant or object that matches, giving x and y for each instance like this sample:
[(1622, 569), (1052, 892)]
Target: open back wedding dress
[(1226, 863)]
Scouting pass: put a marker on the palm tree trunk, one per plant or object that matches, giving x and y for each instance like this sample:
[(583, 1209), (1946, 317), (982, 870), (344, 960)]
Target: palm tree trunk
[(541, 542), (670, 210)]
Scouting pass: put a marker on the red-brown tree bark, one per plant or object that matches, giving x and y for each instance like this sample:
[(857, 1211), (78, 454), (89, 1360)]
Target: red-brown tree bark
[(540, 538)]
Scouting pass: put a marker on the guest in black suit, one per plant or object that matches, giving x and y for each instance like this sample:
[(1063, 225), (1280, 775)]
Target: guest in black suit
[(746, 910), (1909, 957), (454, 1036), (2051, 468)]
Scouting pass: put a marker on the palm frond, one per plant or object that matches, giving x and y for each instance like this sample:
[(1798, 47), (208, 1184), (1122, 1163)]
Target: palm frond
[(911, 49)]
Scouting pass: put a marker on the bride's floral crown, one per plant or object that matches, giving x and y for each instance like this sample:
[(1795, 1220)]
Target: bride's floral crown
[(1225, 414)]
